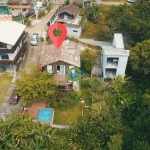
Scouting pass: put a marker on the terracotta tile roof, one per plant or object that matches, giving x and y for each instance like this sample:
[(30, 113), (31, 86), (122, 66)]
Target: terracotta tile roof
[(71, 9), (72, 25), (18, 2), (52, 55), (18, 6)]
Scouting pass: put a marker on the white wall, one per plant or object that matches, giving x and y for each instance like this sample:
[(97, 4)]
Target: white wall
[(12, 56), (70, 31), (122, 65)]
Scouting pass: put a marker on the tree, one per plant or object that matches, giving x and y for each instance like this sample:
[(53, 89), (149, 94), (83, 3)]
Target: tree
[(93, 13), (35, 85), (88, 58), (140, 58), (131, 19), (67, 2), (20, 132)]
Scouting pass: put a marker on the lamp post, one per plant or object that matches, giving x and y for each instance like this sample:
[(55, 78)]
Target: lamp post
[(83, 108), (21, 12)]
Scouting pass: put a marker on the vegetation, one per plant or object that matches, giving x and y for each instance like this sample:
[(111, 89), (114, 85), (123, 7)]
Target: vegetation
[(41, 13), (88, 57), (98, 31), (5, 83), (20, 132), (35, 85), (27, 22), (130, 19), (67, 2), (93, 13)]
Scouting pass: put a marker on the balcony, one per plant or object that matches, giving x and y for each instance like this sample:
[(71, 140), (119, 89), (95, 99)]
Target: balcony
[(112, 63), (110, 73), (19, 54)]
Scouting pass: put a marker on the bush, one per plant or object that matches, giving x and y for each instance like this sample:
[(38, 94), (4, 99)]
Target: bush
[(41, 13), (42, 39), (27, 22), (61, 99)]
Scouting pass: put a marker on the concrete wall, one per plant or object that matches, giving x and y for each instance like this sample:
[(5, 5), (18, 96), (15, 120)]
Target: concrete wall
[(73, 32), (121, 67)]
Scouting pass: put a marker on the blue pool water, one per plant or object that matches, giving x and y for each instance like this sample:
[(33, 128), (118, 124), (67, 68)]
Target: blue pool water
[(45, 115)]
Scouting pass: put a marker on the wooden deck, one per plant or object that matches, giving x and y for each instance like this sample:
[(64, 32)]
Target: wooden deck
[(34, 109)]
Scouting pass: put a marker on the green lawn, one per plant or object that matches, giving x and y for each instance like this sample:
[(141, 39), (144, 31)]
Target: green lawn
[(5, 83)]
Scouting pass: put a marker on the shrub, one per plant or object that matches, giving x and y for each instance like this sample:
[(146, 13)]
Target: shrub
[(42, 39), (41, 13), (61, 99)]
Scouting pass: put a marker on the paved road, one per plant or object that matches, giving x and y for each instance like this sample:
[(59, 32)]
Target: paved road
[(33, 52), (93, 42), (108, 3)]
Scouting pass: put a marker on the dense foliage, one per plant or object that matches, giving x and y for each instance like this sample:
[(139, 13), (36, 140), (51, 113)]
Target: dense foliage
[(20, 132), (35, 85), (131, 19), (88, 57), (93, 13)]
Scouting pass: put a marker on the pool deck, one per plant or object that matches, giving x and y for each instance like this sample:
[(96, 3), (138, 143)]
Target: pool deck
[(34, 109)]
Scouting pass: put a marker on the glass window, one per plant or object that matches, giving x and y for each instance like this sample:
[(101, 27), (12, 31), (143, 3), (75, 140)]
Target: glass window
[(2, 45), (75, 31), (4, 56)]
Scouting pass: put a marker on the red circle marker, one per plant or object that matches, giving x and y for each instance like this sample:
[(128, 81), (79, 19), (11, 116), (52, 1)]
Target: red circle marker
[(57, 40)]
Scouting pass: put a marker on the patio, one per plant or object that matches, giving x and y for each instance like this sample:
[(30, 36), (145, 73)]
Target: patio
[(34, 109)]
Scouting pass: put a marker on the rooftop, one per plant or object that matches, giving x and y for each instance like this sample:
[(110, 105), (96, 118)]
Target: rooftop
[(72, 25), (110, 50), (10, 31), (71, 9), (66, 53)]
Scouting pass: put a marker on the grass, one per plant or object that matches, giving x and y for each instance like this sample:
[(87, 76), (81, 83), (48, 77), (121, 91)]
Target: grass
[(66, 116), (69, 115), (5, 83)]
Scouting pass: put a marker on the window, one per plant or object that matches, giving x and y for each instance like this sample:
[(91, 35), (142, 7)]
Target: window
[(61, 69), (49, 69), (75, 31), (2, 45), (4, 56)]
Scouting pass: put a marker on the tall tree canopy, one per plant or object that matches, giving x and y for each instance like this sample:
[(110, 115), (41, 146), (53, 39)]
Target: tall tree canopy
[(131, 19), (35, 85)]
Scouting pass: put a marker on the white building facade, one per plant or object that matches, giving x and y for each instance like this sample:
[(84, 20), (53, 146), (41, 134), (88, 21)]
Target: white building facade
[(114, 58)]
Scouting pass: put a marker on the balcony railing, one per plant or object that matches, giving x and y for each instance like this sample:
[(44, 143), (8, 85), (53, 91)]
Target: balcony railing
[(13, 62), (22, 38)]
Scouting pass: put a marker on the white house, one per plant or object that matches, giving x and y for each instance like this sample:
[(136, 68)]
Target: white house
[(13, 44), (73, 30), (114, 58)]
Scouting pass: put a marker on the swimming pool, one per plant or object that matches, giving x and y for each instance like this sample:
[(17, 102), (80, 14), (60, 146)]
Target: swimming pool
[(46, 115)]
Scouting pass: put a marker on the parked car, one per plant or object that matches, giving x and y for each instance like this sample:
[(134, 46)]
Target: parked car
[(14, 98), (131, 1), (34, 39)]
